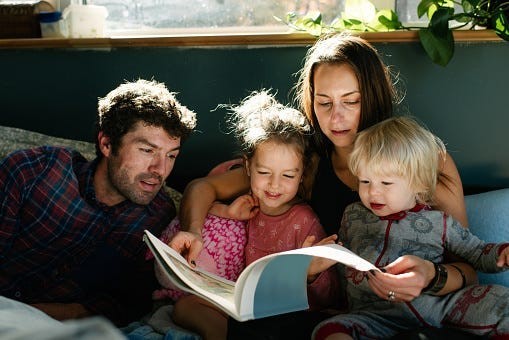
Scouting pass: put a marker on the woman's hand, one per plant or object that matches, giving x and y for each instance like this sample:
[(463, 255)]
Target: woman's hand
[(406, 277), (188, 244)]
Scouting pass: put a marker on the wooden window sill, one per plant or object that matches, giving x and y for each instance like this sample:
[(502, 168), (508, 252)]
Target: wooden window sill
[(197, 40)]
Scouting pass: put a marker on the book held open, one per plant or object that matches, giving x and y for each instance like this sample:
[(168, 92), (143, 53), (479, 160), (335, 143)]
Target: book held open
[(274, 284)]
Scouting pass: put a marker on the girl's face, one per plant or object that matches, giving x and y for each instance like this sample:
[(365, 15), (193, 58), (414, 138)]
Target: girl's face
[(385, 194), (337, 102), (276, 172)]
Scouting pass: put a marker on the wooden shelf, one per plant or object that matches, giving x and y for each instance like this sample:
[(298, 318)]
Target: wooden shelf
[(198, 40)]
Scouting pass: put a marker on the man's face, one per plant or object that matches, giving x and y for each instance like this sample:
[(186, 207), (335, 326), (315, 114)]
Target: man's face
[(144, 160)]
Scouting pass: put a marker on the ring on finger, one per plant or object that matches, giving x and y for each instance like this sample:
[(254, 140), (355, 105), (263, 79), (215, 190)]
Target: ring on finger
[(391, 296)]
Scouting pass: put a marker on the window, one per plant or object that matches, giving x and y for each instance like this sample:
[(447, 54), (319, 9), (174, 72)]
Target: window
[(145, 17), (155, 15)]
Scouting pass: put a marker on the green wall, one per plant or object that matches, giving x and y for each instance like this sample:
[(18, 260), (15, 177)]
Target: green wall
[(55, 91)]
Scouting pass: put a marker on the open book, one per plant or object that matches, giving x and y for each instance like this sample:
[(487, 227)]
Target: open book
[(273, 284)]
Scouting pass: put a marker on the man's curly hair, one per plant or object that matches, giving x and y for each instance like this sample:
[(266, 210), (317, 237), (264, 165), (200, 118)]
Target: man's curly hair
[(149, 102)]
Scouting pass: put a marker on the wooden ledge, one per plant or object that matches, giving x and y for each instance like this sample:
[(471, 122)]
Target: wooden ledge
[(205, 40)]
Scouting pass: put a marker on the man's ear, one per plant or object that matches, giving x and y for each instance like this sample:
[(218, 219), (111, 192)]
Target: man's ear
[(104, 144)]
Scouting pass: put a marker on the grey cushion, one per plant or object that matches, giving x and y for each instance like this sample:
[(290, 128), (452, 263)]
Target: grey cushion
[(15, 139)]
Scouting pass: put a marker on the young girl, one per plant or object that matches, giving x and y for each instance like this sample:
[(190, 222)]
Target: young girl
[(275, 144), (397, 165)]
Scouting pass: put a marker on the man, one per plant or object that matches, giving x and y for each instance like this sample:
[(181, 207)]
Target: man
[(71, 230)]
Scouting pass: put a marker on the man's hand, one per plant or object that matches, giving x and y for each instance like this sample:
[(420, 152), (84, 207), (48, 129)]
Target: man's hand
[(188, 244)]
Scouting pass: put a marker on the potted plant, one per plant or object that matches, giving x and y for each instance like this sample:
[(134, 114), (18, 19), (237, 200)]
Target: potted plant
[(437, 38)]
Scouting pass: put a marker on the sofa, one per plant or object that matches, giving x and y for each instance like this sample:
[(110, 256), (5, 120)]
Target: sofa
[(488, 214)]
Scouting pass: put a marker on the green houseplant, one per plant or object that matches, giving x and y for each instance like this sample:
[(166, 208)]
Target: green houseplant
[(436, 39)]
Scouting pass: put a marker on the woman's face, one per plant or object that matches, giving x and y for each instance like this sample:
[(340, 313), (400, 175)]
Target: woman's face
[(337, 102)]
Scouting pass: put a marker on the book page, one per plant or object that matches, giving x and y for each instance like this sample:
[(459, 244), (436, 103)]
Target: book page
[(213, 288), (277, 283), (340, 254)]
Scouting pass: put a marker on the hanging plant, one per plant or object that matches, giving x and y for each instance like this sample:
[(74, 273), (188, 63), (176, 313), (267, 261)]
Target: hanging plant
[(436, 39)]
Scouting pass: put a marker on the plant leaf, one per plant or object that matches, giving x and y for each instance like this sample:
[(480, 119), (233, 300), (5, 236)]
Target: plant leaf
[(423, 6), (501, 25), (462, 17), (439, 48), (467, 6), (310, 22), (387, 19), (437, 39), (439, 22)]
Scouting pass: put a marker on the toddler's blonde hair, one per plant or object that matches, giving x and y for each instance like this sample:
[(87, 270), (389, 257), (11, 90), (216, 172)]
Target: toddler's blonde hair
[(403, 147)]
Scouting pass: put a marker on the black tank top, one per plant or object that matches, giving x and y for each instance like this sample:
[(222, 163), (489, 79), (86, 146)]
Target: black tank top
[(330, 197)]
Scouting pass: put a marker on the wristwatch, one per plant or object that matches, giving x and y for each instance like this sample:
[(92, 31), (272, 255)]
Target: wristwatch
[(438, 281)]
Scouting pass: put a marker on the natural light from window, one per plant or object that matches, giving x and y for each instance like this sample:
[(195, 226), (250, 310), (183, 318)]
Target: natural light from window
[(186, 17), (216, 16)]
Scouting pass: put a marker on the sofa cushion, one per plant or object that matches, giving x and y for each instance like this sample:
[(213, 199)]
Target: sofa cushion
[(15, 139), (488, 218)]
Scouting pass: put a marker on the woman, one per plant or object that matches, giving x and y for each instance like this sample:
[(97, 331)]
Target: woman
[(343, 88)]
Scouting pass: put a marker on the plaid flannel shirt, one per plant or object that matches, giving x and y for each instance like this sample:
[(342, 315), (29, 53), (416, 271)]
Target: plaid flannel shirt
[(59, 244)]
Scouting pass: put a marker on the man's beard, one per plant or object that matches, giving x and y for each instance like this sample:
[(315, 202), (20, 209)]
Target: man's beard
[(120, 181)]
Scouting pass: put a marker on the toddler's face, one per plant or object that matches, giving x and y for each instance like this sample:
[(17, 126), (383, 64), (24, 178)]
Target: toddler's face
[(385, 194)]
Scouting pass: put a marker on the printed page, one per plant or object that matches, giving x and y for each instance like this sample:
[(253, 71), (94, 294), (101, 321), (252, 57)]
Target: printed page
[(207, 285)]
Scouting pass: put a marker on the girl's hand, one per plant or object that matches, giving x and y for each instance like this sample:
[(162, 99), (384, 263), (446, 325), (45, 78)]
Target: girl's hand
[(503, 258), (318, 264), (406, 277), (243, 208), (188, 244)]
